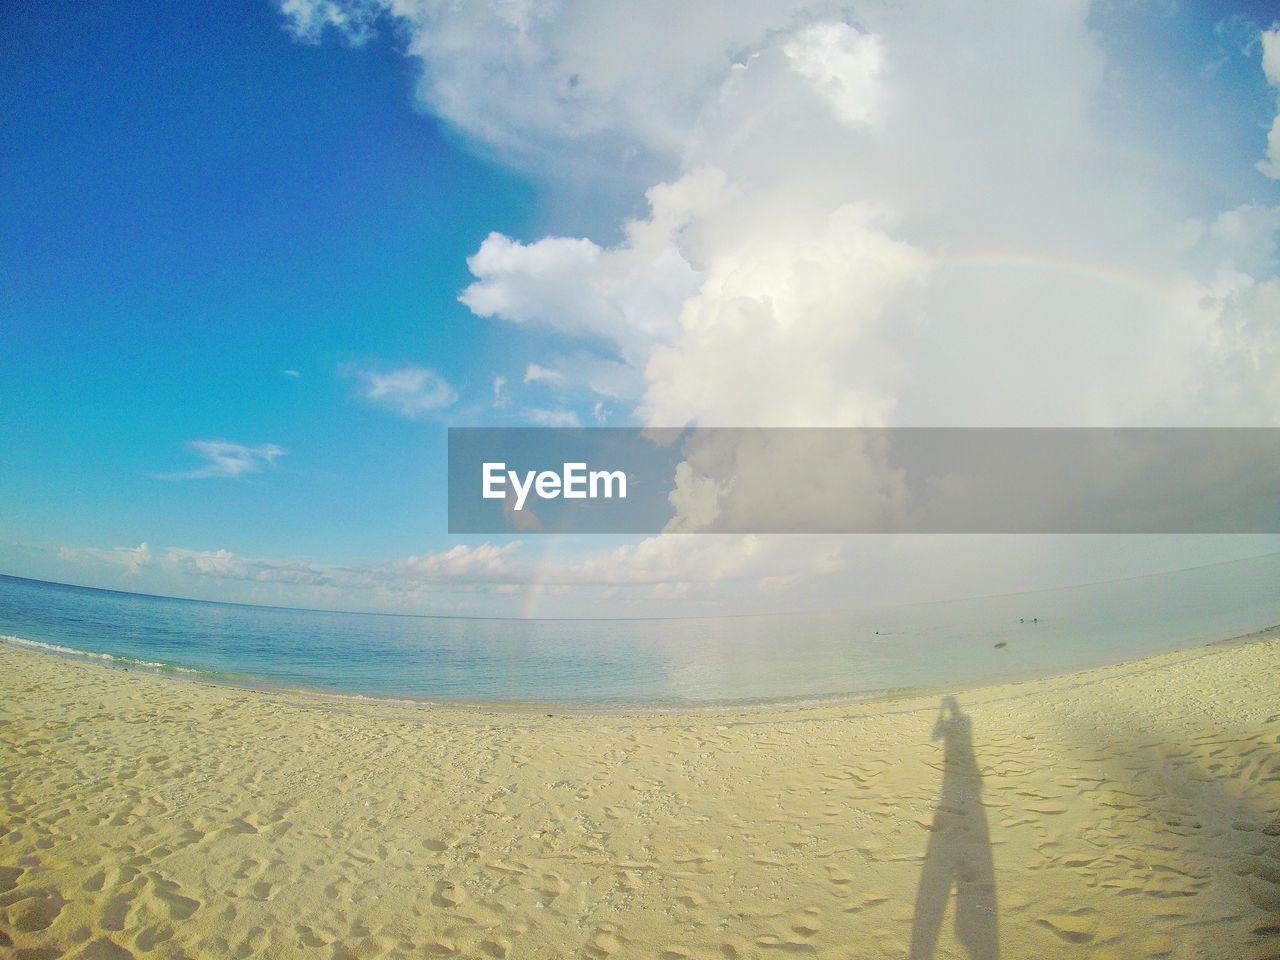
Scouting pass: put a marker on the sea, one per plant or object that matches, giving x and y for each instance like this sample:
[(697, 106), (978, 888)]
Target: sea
[(655, 663)]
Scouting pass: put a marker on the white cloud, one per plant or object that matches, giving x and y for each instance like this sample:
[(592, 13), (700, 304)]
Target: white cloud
[(662, 575), (535, 373), (843, 64), (654, 560), (772, 129), (1270, 164), (869, 224), (484, 562), (553, 418), (864, 213), (460, 564), (1245, 237), (307, 20), (130, 559), (786, 329), (225, 459), (568, 89), (500, 396), (625, 298), (1243, 357), (410, 391)]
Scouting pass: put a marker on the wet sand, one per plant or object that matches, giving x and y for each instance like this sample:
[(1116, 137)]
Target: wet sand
[(1130, 811)]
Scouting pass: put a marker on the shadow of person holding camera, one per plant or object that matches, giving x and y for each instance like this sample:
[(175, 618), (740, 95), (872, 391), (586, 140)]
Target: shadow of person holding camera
[(958, 854)]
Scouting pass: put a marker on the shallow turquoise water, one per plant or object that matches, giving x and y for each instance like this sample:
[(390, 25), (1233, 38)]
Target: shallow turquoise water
[(787, 658)]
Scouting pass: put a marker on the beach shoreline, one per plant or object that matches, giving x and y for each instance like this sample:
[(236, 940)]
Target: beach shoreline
[(597, 708), (1130, 810)]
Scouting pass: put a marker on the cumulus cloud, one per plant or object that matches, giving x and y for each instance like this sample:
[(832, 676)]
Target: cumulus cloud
[(225, 459), (411, 391), (624, 298), (784, 330), (850, 207), (843, 64), (568, 89), (854, 217), (864, 224)]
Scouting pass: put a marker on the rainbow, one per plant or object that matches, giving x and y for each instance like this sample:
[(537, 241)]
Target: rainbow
[(1179, 296)]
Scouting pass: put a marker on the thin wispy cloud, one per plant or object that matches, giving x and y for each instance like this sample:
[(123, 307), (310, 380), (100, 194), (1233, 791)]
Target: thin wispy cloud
[(1270, 165), (536, 373), (553, 418), (225, 459), (411, 391)]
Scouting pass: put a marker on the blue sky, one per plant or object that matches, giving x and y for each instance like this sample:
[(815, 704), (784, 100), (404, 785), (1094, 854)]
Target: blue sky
[(247, 283), (196, 204)]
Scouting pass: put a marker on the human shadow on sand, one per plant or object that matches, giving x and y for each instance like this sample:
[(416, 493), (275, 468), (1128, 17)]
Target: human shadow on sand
[(958, 854)]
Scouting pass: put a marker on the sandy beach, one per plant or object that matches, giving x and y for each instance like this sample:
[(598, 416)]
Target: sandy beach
[(1131, 811)]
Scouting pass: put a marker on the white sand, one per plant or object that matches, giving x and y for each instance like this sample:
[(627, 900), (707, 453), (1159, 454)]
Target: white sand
[(1131, 811)]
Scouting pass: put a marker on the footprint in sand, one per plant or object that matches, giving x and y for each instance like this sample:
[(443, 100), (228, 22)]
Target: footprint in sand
[(809, 923), (248, 946), (310, 938), (36, 912), (448, 894), (103, 949), (115, 912), (166, 892), (9, 877), (1076, 926), (152, 937), (553, 885), (606, 942), (244, 870)]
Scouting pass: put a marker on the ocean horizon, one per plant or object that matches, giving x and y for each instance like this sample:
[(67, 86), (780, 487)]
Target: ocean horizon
[(676, 662)]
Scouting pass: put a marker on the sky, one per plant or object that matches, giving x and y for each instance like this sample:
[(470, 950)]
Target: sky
[(260, 256)]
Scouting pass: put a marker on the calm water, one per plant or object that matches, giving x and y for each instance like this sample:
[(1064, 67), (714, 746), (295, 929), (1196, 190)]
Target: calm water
[(794, 657)]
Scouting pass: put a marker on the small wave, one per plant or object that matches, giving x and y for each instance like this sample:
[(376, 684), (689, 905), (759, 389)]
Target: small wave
[(92, 655)]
